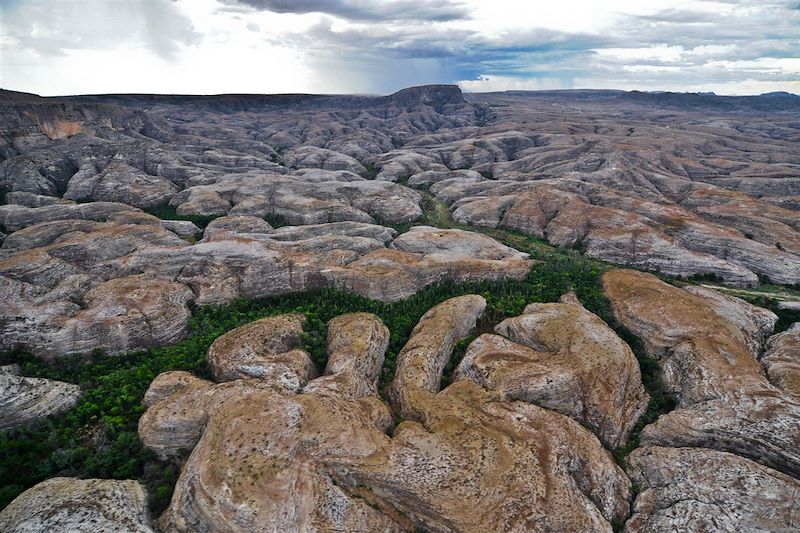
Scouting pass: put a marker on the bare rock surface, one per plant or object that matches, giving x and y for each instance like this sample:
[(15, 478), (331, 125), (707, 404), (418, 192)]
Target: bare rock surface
[(267, 349), (65, 278), (79, 505), (120, 182), (300, 199), (256, 442), (781, 360), (683, 192), (707, 361), (421, 361), (562, 357), (472, 462), (25, 400), (696, 489)]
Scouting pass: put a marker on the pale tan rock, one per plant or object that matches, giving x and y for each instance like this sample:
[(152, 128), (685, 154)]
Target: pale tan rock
[(261, 461), (119, 315), (356, 345), (47, 270), (119, 182), (79, 505), (322, 461), (562, 357), (696, 489), (704, 347), (200, 201), (471, 462), (266, 349), (781, 360), (421, 361), (25, 400)]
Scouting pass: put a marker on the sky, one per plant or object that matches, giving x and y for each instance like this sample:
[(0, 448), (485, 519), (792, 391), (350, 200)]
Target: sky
[(60, 47)]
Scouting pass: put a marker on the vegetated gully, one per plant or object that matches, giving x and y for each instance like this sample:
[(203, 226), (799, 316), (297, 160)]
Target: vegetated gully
[(98, 437)]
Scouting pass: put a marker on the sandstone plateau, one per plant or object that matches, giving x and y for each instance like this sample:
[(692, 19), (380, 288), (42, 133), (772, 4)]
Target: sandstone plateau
[(427, 311)]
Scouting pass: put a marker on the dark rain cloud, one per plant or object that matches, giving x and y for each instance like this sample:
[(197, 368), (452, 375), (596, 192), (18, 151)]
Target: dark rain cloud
[(365, 10)]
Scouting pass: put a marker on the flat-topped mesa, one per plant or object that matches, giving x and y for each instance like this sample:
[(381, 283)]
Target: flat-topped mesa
[(442, 98)]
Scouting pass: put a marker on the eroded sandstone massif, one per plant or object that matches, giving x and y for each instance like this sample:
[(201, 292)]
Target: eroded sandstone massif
[(120, 213)]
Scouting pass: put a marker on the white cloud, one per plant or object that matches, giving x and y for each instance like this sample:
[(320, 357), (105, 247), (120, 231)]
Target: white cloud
[(211, 46)]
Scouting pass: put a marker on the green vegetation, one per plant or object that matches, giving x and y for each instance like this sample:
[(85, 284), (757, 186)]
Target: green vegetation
[(372, 171), (661, 401), (276, 221), (167, 212), (98, 437)]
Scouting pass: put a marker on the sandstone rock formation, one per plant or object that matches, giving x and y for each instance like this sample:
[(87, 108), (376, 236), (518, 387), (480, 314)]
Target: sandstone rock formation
[(562, 357), (695, 489), (781, 360), (256, 442), (79, 505), (421, 361), (471, 463), (265, 349), (468, 462), (25, 400), (680, 192), (708, 362), (75, 285), (686, 191)]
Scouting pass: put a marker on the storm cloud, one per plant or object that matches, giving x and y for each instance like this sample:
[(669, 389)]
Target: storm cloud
[(186, 46), (364, 10)]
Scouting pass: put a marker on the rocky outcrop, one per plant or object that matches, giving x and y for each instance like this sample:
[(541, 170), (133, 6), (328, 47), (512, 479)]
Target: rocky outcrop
[(781, 360), (25, 400), (120, 182), (421, 361), (705, 347), (76, 285), (304, 198), (267, 349), (79, 505), (119, 315), (425, 255), (255, 443), (625, 230), (695, 489), (356, 345), (469, 462), (562, 357)]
